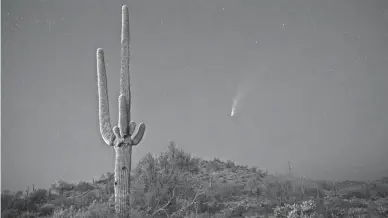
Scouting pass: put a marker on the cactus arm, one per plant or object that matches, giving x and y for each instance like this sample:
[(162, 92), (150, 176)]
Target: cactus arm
[(132, 127), (123, 121), (103, 102), (124, 74), (116, 132), (139, 135)]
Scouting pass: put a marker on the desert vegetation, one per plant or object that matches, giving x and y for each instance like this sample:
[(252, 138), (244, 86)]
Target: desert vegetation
[(175, 184)]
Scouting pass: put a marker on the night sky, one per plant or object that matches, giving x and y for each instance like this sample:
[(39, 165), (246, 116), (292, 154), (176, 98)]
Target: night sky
[(313, 76)]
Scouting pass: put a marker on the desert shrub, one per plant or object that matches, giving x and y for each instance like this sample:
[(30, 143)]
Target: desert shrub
[(38, 197), (181, 160), (208, 203), (382, 211), (163, 180), (83, 187), (230, 164), (10, 213), (227, 191), (46, 209), (378, 189), (277, 191), (106, 177), (96, 209), (255, 186), (326, 185), (64, 212), (304, 209), (10, 200), (86, 198), (366, 191), (313, 192), (61, 186), (243, 167), (355, 192), (28, 214), (253, 169), (289, 191), (214, 165)]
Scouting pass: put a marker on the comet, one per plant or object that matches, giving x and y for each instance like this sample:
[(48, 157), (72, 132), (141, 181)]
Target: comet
[(235, 104), (241, 93)]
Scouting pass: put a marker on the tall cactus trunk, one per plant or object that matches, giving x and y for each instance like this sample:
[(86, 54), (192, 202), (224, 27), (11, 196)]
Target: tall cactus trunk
[(122, 180), (120, 137)]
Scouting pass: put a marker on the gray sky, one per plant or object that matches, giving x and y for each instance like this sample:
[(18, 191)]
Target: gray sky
[(316, 71)]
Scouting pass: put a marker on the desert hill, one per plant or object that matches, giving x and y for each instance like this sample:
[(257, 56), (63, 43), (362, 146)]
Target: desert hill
[(174, 184)]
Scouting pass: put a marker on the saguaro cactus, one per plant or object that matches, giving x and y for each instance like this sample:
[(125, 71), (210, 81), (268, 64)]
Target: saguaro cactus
[(121, 137)]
